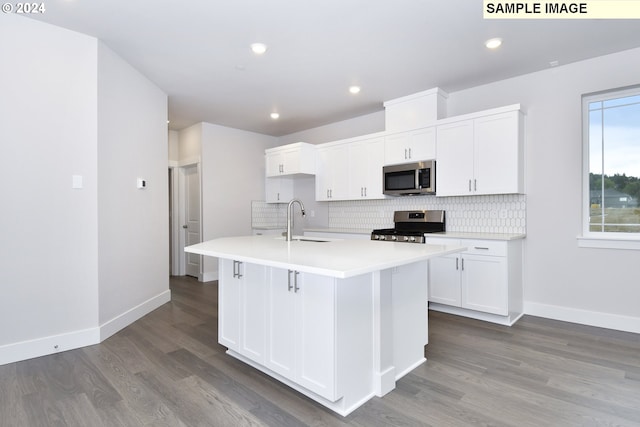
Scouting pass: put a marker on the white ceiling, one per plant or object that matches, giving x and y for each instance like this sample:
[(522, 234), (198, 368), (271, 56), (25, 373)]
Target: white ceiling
[(198, 52)]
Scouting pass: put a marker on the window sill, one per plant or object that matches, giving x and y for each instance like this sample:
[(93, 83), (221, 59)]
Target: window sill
[(609, 242)]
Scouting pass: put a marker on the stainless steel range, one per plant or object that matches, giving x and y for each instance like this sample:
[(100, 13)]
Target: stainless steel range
[(410, 226)]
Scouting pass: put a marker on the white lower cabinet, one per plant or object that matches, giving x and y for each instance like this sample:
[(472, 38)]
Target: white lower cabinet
[(301, 330), (486, 278), (242, 315), (339, 341)]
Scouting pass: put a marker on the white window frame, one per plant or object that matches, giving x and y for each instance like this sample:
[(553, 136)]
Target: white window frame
[(600, 239)]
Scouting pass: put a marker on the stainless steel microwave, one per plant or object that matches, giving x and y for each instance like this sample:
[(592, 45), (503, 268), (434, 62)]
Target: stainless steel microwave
[(409, 178)]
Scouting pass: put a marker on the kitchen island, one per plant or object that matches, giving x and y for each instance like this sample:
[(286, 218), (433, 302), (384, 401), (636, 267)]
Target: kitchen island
[(338, 320)]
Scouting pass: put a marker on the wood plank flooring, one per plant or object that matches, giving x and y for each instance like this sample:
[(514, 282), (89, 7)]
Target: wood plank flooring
[(168, 370)]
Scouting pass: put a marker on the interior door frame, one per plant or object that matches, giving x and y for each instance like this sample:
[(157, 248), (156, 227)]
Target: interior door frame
[(178, 183)]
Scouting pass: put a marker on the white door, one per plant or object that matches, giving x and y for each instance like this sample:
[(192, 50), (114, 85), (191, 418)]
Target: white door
[(192, 218)]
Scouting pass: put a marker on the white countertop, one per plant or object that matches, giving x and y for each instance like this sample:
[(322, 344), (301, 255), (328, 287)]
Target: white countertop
[(478, 236), (335, 258)]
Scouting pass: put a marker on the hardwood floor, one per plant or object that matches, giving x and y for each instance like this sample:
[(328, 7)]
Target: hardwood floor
[(168, 370)]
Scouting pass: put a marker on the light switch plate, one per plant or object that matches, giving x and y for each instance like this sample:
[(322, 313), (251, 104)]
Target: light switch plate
[(76, 181)]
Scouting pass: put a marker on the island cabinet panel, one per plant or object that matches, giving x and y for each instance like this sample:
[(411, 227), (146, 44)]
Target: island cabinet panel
[(281, 324), (242, 315), (316, 334), (228, 305), (301, 330)]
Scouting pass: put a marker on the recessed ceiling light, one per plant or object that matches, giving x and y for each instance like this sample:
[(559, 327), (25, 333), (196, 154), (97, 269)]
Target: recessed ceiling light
[(493, 43), (275, 116), (354, 89), (259, 48)]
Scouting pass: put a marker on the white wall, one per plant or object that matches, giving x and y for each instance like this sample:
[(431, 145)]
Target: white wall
[(133, 231), (174, 147), (76, 264), (232, 175), (190, 144), (362, 125), (49, 237)]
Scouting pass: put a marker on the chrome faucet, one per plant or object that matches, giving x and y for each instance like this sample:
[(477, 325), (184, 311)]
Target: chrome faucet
[(290, 216)]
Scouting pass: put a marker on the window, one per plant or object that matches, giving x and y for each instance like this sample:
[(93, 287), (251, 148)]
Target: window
[(611, 138)]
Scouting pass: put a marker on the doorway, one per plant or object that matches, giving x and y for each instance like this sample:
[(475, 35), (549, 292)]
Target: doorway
[(185, 219)]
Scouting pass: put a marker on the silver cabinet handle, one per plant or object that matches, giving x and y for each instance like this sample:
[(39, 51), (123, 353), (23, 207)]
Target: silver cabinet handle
[(469, 185), (457, 260), (475, 185), (365, 191), (295, 281), (405, 154), (409, 152), (185, 226), (289, 285), (462, 264), (236, 269), (480, 247)]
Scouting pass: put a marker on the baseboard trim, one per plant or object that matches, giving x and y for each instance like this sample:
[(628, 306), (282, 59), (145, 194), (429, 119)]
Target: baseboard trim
[(29, 349), (209, 276), (128, 317), (16, 352), (584, 317)]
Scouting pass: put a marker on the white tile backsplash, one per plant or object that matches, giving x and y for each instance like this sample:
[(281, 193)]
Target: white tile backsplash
[(268, 215), (488, 214), (480, 214)]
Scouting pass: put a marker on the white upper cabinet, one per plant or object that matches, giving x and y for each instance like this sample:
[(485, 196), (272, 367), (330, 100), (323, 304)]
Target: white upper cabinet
[(278, 189), (291, 159), (481, 155), (411, 146), (350, 169), (366, 158), (332, 176)]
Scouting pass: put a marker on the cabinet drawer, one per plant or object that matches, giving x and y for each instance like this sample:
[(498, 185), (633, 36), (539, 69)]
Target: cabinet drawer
[(485, 247), (441, 241)]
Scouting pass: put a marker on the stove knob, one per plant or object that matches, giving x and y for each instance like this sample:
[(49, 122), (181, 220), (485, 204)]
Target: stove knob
[(379, 237), (412, 238), (394, 238), (406, 238)]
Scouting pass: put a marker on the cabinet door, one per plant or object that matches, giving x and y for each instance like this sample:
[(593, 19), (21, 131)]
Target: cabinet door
[(253, 301), (273, 164), (396, 148), (332, 175), (366, 159), (454, 167), (291, 161), (281, 323), (278, 189), (228, 306), (485, 284), (315, 335), (498, 154), (444, 280), (422, 145)]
